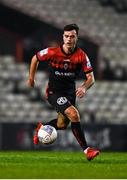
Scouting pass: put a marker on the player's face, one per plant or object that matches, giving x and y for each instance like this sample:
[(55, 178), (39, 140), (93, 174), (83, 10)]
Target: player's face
[(70, 39)]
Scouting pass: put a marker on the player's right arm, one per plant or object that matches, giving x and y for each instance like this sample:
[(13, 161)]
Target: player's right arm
[(32, 71), (42, 55)]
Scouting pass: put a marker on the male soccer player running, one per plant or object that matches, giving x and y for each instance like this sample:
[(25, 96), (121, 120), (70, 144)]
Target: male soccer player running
[(65, 62)]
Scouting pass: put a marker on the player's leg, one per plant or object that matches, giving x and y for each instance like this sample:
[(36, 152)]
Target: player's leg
[(60, 123), (73, 114), (69, 112), (65, 105)]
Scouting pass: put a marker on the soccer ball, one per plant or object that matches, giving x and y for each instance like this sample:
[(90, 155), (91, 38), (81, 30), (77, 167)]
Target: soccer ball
[(47, 134)]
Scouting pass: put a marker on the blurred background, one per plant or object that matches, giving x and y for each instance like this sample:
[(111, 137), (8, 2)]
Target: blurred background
[(28, 26)]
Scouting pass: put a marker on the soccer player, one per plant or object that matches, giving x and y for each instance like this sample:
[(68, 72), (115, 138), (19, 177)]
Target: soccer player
[(65, 62)]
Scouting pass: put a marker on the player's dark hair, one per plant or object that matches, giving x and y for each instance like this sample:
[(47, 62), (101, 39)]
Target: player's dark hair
[(70, 27)]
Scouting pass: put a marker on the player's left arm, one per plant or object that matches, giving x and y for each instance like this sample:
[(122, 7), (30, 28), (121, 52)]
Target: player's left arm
[(81, 90), (88, 70)]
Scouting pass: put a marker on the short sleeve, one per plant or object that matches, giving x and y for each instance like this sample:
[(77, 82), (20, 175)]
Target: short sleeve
[(43, 55), (86, 65)]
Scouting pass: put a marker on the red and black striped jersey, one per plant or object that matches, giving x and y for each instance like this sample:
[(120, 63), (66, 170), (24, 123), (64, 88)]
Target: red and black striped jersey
[(63, 68)]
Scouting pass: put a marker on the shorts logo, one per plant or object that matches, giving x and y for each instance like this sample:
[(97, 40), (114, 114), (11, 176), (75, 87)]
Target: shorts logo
[(61, 100)]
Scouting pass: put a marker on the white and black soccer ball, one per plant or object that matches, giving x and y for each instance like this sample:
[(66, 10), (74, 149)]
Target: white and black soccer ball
[(47, 134)]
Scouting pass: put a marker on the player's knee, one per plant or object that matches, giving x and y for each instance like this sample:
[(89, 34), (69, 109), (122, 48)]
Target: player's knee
[(73, 114)]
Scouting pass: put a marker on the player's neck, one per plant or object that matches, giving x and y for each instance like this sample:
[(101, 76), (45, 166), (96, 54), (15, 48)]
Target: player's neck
[(68, 50)]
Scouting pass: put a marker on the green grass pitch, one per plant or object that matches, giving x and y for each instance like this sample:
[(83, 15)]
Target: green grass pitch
[(61, 165)]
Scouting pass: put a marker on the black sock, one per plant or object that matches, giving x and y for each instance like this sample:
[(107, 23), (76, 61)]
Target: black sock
[(54, 124), (78, 133)]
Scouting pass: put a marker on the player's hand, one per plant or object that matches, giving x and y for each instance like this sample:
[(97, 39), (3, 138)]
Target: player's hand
[(31, 83), (81, 91)]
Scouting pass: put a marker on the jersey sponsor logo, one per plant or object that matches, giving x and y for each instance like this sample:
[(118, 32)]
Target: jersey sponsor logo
[(61, 100), (67, 74), (88, 62), (43, 52)]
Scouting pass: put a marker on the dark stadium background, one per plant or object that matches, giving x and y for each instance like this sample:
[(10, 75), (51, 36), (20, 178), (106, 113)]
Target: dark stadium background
[(28, 26)]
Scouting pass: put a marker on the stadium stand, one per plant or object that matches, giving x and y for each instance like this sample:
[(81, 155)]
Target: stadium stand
[(106, 101), (120, 6), (17, 100), (103, 25)]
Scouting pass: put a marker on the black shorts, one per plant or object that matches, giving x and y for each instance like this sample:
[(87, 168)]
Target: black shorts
[(61, 101)]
